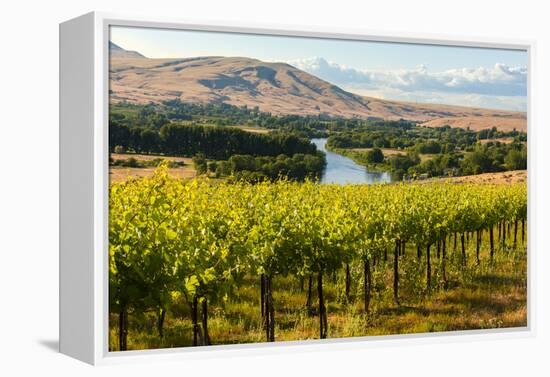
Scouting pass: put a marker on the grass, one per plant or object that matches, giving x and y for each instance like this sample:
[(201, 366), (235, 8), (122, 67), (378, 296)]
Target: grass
[(505, 140), (505, 177), (479, 296), (387, 152), (122, 173), (149, 157), (252, 129)]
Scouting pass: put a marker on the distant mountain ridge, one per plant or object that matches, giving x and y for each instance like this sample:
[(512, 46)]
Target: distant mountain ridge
[(118, 52), (278, 88)]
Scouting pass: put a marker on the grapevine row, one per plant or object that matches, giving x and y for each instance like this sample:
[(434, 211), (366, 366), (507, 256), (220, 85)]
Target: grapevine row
[(198, 240)]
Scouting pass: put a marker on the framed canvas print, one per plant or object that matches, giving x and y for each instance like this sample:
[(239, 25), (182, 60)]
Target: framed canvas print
[(235, 189)]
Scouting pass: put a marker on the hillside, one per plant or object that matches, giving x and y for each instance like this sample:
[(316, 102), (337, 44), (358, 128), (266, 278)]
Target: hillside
[(278, 88), (504, 177), (116, 51)]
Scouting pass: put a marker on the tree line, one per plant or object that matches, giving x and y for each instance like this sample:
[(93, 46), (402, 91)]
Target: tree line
[(248, 168), (212, 141), (475, 159), (420, 139)]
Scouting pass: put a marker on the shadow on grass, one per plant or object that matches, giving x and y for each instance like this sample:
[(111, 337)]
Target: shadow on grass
[(498, 280), (404, 309), (485, 302)]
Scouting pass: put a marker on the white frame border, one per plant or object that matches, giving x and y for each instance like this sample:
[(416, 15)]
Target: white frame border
[(102, 23)]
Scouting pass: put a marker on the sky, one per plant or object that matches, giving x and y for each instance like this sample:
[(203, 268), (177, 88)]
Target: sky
[(480, 77)]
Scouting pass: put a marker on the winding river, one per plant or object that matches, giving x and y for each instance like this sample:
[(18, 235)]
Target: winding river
[(341, 169)]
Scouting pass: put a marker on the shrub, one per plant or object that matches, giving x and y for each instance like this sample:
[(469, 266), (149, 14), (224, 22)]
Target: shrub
[(375, 156), (200, 163)]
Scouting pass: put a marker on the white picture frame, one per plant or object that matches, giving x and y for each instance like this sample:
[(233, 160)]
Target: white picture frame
[(84, 264)]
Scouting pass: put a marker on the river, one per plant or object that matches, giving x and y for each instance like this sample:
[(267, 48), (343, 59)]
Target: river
[(341, 169)]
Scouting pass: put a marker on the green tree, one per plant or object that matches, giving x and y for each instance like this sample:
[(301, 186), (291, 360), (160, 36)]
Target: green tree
[(375, 156), (516, 159), (200, 163)]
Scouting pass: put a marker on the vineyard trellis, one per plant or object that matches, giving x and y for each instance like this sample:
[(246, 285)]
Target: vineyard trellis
[(197, 240)]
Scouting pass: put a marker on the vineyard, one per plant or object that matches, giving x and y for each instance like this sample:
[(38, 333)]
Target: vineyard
[(287, 260)]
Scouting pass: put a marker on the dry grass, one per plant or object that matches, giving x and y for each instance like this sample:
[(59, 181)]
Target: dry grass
[(503, 140), (121, 173), (149, 157), (255, 130), (510, 122), (388, 152), (507, 177)]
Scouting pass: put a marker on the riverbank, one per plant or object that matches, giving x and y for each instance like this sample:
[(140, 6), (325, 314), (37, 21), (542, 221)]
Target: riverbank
[(360, 158), (341, 169), (504, 177)]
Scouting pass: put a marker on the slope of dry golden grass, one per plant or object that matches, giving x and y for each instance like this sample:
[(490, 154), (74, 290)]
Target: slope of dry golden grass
[(510, 122), (507, 177), (278, 88)]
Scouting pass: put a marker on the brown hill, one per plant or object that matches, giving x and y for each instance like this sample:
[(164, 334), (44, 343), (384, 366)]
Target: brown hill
[(278, 88), (116, 51), (503, 122)]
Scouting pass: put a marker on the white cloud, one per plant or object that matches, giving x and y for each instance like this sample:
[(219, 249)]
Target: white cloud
[(512, 103), (500, 86)]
